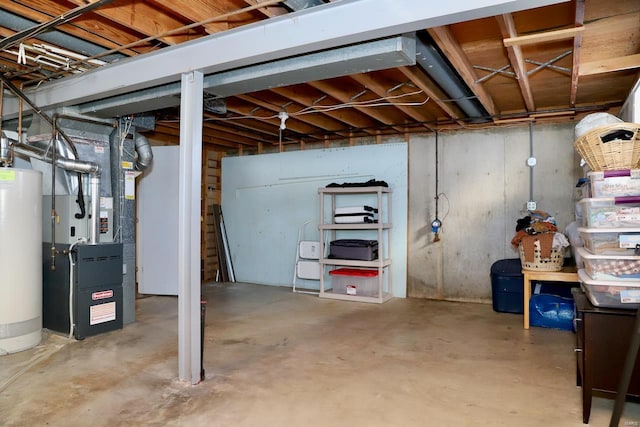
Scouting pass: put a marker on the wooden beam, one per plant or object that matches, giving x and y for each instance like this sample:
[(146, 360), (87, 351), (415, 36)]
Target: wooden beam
[(609, 65), (143, 18), (109, 36), (301, 125), (514, 120), (508, 29), (311, 99), (339, 93), (199, 10), (547, 36), (268, 11), (453, 51), (379, 89), (577, 44)]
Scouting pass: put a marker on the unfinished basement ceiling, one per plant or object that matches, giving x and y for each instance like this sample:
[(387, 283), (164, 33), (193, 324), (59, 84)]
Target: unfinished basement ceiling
[(556, 62)]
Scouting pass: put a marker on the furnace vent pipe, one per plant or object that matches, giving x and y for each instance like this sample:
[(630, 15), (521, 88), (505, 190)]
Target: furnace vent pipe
[(145, 156), (5, 151), (73, 165), (64, 163)]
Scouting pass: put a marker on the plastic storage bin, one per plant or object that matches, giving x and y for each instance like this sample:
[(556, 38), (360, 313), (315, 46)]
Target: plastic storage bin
[(605, 293), (551, 311), (355, 281), (610, 213), (609, 241), (611, 267), (621, 183), (507, 286)]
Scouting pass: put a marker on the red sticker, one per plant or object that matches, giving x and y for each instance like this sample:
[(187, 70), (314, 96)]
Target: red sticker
[(101, 295)]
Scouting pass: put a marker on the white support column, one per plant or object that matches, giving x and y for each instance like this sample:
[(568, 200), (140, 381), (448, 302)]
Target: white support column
[(189, 182)]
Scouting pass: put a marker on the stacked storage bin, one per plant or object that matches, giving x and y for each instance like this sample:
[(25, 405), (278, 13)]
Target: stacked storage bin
[(611, 235)]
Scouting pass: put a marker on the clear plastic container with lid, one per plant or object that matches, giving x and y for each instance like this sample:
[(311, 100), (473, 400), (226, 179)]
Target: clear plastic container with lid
[(610, 241)]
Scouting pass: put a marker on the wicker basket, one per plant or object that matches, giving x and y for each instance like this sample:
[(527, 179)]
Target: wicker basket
[(553, 263), (613, 155)]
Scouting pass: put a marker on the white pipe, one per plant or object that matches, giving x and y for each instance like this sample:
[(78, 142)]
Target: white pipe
[(94, 190), (71, 280)]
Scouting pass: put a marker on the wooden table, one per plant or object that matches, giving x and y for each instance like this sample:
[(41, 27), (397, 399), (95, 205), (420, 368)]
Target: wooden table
[(567, 274)]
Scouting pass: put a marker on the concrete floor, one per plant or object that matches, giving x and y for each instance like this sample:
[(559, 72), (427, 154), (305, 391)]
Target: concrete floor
[(275, 358)]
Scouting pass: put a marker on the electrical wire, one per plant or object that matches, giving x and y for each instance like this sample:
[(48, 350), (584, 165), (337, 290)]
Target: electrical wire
[(72, 264), (377, 102), (436, 223), (123, 136)]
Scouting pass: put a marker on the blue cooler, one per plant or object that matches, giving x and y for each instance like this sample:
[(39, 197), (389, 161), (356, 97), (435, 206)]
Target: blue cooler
[(507, 286)]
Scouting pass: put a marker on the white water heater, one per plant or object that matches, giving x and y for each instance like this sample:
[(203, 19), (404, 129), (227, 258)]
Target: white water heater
[(20, 259)]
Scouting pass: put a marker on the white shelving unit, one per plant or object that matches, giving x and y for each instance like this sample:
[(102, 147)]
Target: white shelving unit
[(381, 229)]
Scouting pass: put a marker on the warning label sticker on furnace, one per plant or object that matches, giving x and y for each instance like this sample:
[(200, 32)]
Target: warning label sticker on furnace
[(102, 313), (102, 295)]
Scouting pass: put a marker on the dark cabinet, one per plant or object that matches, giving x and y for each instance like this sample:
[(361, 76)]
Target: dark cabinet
[(603, 336)]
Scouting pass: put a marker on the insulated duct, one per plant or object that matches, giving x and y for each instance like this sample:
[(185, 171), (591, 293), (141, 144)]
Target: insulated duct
[(438, 68)]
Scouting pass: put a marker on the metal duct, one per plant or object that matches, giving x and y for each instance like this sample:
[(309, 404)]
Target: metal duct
[(66, 164), (143, 149), (302, 4), (5, 154), (55, 37), (359, 58), (364, 57), (76, 166), (439, 69)]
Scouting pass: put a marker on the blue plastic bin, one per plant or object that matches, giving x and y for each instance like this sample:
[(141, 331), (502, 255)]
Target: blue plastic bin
[(507, 286), (551, 311)]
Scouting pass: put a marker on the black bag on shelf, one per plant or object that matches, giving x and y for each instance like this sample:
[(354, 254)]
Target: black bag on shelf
[(355, 249)]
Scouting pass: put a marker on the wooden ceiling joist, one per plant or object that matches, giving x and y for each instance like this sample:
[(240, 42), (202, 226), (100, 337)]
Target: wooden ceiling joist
[(348, 117), (451, 48), (508, 30), (421, 80), (341, 95), (294, 124), (380, 90), (547, 36), (198, 11), (577, 45), (609, 65), (583, 37), (142, 17)]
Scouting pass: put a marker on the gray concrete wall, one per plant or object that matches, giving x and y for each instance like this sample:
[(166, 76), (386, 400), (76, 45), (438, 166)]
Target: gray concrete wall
[(484, 185)]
